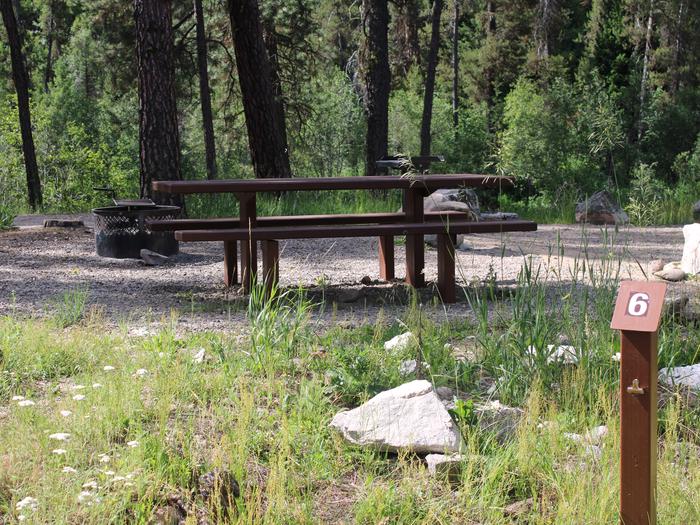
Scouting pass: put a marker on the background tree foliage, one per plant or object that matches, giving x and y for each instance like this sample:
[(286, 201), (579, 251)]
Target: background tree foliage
[(576, 96)]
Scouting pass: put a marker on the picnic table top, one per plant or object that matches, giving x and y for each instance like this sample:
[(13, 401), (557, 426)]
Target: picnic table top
[(428, 182)]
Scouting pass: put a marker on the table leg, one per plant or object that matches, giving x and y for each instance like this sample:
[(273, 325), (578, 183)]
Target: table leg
[(386, 257), (271, 258), (446, 268), (415, 249), (249, 250), (230, 262)]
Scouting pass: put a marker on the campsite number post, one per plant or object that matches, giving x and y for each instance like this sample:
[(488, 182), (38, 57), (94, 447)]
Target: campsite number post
[(637, 315)]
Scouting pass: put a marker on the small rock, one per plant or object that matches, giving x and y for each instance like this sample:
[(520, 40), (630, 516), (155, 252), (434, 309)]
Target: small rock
[(408, 367), (671, 272), (409, 417), (218, 488), (174, 513), (366, 280), (675, 306), (151, 258), (400, 343), (63, 223), (601, 208), (444, 466), (445, 393), (500, 419), (517, 509), (656, 265), (685, 376)]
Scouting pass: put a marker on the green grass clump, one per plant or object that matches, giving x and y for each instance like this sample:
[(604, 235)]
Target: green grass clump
[(148, 415)]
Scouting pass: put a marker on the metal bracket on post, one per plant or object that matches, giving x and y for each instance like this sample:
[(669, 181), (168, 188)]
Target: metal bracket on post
[(637, 316)]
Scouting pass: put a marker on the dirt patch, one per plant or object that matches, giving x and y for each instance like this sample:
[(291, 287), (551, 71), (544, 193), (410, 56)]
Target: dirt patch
[(38, 265)]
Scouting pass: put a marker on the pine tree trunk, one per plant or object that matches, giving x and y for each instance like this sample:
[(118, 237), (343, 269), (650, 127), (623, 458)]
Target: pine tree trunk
[(426, 121), (21, 80), (645, 70), (204, 94), (455, 66), (270, 38), (266, 133), (48, 71), (406, 35), (374, 56), (159, 136)]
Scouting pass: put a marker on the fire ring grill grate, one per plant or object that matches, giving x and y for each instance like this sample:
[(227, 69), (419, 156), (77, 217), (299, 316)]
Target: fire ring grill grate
[(121, 231)]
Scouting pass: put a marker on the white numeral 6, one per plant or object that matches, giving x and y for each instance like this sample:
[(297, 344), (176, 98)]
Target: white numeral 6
[(638, 305)]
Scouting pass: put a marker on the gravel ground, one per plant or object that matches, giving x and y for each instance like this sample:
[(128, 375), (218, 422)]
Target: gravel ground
[(37, 265)]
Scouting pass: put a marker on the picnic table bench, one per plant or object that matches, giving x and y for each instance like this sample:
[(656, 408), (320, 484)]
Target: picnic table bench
[(412, 222)]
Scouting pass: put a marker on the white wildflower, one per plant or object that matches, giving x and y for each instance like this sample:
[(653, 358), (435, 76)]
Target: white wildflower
[(97, 385), (60, 436), (132, 444), (26, 403), (129, 484), (104, 458), (86, 497), (21, 517), (28, 503), (116, 479), (78, 387), (90, 485), (616, 357), (141, 372), (17, 398), (78, 397), (108, 368), (59, 451), (108, 472), (66, 413), (69, 470)]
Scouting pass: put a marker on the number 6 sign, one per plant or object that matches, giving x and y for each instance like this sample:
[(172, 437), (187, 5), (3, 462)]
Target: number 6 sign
[(637, 315), (639, 305)]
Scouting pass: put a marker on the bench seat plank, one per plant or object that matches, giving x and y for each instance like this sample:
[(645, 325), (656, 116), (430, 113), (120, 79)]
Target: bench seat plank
[(225, 223), (260, 233)]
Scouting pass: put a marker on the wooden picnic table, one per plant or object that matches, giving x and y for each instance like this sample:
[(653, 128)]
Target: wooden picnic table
[(414, 187)]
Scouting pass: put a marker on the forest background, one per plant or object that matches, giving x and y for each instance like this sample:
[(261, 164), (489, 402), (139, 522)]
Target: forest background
[(569, 96)]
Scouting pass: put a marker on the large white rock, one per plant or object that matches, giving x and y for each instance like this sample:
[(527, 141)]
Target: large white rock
[(408, 417), (400, 343), (687, 376), (690, 262)]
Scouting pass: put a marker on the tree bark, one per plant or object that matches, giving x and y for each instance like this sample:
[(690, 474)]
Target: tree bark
[(426, 121), (21, 81), (204, 93), (455, 66), (266, 133), (406, 35), (374, 56), (50, 25), (159, 136), (270, 38), (645, 70)]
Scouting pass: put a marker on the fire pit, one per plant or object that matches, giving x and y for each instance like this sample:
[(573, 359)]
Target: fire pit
[(121, 231)]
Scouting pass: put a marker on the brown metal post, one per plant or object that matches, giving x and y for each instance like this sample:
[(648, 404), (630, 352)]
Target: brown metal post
[(386, 257), (638, 401), (249, 250), (230, 263), (415, 249)]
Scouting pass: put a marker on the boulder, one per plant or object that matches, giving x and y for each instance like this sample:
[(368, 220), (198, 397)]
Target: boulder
[(690, 262), (500, 419), (410, 417), (151, 258), (400, 343), (671, 272), (601, 208), (684, 376), (462, 200)]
